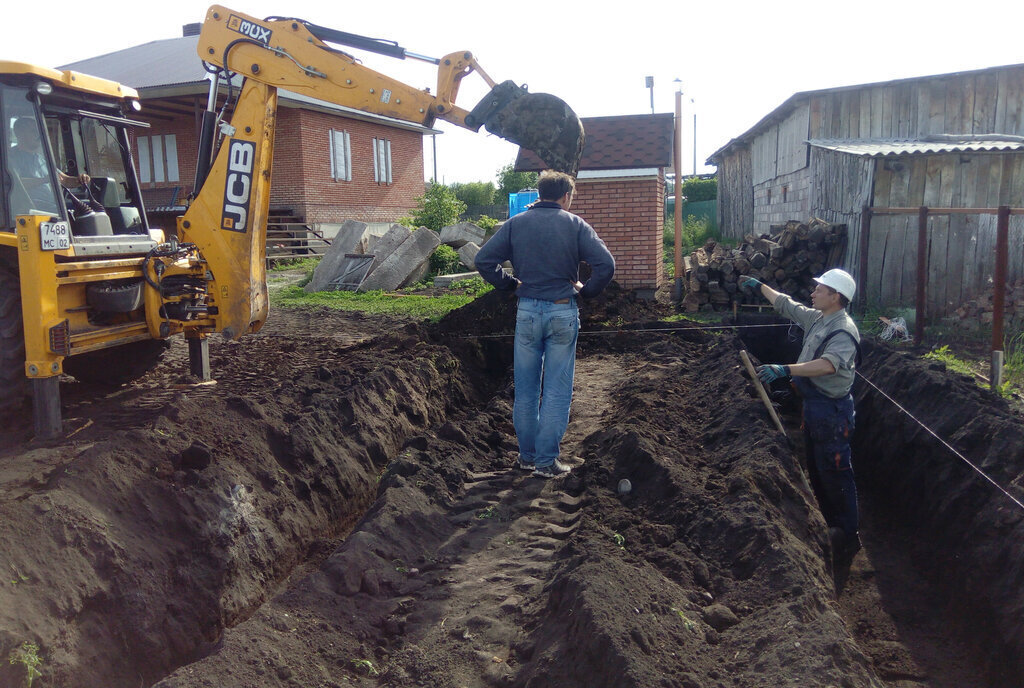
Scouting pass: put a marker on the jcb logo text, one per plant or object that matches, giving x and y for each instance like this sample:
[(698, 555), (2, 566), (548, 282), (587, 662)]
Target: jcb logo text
[(238, 186)]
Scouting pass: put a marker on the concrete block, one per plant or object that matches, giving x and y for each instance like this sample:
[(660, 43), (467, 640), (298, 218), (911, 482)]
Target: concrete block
[(467, 254), (349, 237), (461, 234), (403, 262), (383, 247), (448, 280), (378, 230)]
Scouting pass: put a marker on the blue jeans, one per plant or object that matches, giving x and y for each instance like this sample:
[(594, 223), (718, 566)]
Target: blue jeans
[(545, 364), (828, 427)]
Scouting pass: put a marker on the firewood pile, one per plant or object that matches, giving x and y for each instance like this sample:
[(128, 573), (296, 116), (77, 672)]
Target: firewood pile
[(977, 313), (786, 259)]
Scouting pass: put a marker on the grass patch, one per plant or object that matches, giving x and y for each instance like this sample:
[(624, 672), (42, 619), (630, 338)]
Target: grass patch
[(432, 308), (294, 264), (951, 360)]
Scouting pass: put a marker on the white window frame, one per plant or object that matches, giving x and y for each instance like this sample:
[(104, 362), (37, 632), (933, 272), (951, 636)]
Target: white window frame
[(340, 144), (158, 159), (382, 161)]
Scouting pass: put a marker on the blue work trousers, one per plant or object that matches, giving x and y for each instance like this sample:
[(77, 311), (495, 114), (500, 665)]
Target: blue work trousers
[(828, 428), (545, 364)]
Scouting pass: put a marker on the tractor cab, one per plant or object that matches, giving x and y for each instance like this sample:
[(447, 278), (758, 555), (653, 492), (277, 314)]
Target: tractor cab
[(66, 154)]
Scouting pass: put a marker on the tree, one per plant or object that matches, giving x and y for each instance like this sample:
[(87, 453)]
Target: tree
[(474, 193), (437, 208), (696, 190), (510, 181)]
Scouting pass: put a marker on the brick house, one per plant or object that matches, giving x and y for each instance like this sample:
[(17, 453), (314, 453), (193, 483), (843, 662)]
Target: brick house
[(331, 163), (620, 191)]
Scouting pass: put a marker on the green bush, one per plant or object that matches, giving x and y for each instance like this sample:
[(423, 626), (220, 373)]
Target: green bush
[(474, 193), (510, 181), (695, 231), (486, 223), (697, 190), (445, 261), (437, 208)]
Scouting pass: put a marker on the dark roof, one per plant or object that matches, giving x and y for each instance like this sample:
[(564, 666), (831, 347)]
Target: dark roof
[(619, 142), (783, 111)]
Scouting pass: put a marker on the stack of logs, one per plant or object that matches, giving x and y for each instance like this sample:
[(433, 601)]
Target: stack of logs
[(787, 259), (976, 314)]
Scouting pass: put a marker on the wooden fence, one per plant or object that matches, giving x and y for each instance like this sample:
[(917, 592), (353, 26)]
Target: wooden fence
[(997, 255)]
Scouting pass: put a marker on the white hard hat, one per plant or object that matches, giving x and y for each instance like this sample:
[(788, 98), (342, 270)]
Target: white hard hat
[(840, 280)]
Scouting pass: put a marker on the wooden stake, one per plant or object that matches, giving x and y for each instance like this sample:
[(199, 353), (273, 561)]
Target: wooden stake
[(761, 390)]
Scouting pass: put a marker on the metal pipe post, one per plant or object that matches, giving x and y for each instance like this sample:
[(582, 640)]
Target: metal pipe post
[(922, 273), (865, 242), (999, 294), (677, 161)]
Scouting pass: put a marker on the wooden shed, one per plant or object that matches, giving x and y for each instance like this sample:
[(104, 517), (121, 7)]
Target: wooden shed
[(945, 141)]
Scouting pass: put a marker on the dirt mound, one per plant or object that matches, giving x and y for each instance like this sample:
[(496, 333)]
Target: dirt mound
[(341, 508), (966, 535)]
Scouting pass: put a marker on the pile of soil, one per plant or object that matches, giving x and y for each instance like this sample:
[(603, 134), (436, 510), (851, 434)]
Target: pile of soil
[(342, 509)]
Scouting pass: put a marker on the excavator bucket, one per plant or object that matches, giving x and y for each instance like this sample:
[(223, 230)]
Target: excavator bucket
[(538, 122)]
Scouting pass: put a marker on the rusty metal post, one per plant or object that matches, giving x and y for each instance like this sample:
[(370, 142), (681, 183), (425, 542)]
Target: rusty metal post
[(922, 273), (865, 242), (678, 216), (999, 294)]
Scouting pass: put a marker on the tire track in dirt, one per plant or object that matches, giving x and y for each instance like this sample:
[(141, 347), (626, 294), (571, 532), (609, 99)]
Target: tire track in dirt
[(529, 521)]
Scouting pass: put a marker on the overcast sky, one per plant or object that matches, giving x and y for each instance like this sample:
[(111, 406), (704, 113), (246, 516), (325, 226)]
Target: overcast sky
[(736, 60)]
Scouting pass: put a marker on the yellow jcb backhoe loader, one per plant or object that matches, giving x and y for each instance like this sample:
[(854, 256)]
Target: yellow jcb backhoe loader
[(88, 287)]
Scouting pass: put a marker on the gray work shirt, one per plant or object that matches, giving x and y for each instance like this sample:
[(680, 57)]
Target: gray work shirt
[(839, 351)]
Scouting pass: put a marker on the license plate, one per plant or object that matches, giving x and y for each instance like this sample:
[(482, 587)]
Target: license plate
[(55, 236)]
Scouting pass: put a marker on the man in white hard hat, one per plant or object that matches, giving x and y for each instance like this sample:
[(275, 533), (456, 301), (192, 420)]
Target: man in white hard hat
[(823, 374)]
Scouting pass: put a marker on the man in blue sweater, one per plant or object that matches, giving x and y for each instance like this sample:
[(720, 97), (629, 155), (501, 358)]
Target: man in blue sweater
[(545, 245)]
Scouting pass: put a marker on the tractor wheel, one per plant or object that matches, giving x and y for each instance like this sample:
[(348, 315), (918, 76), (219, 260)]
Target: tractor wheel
[(13, 384), (117, 365)]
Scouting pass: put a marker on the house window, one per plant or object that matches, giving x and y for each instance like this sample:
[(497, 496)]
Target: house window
[(382, 161), (341, 156), (158, 159)]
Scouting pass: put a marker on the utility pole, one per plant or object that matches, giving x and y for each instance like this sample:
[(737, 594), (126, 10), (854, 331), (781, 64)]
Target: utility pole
[(694, 104), (677, 162)]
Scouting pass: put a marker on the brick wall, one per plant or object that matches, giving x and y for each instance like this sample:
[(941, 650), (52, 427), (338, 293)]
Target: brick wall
[(628, 215), (302, 166)]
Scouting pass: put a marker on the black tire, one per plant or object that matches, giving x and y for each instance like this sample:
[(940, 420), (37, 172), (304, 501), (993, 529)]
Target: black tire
[(13, 384), (117, 365), (115, 296)]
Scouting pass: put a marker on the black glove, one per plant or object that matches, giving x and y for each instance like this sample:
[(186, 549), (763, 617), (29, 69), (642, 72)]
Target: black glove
[(771, 372)]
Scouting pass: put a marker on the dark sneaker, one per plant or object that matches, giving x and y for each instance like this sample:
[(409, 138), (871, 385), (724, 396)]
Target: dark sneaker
[(555, 470), (526, 465)]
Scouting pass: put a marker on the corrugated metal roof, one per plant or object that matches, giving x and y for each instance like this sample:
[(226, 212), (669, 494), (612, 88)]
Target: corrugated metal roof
[(783, 110), (158, 63), (932, 144)]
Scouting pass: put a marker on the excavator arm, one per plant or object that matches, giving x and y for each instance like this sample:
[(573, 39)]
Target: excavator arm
[(294, 55), (226, 222)]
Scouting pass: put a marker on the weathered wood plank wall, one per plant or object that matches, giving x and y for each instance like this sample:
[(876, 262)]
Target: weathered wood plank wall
[(961, 249)]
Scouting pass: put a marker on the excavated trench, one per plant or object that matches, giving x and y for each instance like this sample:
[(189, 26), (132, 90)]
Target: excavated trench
[(339, 509)]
